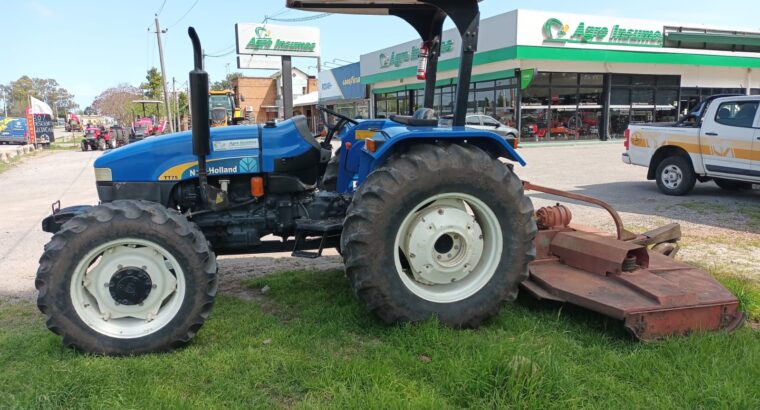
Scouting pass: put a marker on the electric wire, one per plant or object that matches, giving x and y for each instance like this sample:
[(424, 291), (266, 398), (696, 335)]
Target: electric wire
[(300, 19), (184, 15), (160, 9)]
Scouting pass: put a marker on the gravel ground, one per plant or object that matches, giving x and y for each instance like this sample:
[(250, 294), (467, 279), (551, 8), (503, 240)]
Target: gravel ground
[(720, 229)]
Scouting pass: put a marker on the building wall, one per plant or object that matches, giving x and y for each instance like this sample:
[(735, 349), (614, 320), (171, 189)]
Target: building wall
[(255, 92)]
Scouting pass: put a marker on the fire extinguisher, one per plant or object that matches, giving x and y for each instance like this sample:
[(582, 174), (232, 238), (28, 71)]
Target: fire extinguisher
[(423, 61)]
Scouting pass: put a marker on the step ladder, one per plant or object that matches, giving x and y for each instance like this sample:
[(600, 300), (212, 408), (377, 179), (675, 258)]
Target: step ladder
[(327, 229)]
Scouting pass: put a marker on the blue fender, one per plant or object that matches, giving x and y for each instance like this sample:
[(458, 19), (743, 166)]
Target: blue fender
[(358, 162)]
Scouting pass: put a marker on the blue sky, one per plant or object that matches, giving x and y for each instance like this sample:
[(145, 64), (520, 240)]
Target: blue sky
[(90, 45)]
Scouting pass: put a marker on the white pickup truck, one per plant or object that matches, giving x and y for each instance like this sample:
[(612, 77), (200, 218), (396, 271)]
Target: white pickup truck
[(719, 140)]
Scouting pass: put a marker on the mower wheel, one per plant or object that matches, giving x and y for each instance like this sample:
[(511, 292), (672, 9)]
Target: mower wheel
[(127, 277), (675, 176), (731, 185), (439, 231)]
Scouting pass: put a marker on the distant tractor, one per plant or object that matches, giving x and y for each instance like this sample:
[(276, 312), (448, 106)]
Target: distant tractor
[(97, 139), (222, 108), (431, 222)]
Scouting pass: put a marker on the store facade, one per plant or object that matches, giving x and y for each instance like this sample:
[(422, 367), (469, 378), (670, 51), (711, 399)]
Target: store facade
[(561, 76), (341, 89)]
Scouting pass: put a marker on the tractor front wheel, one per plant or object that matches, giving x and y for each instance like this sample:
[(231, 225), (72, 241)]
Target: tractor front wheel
[(127, 277), (439, 231)]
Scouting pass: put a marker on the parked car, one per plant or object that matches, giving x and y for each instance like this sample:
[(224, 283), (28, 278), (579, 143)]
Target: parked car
[(486, 122), (719, 140)]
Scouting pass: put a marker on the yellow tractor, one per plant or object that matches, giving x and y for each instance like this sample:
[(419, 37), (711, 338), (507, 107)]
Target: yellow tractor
[(222, 110)]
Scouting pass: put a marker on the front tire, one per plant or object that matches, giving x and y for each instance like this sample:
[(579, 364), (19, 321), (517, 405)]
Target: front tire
[(439, 231), (101, 145), (127, 277), (675, 176)]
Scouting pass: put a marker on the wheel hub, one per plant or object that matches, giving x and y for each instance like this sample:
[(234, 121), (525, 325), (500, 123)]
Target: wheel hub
[(130, 286), (444, 243)]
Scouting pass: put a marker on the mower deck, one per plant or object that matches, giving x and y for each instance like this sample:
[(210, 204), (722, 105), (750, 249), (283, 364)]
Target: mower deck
[(656, 296), (621, 277)]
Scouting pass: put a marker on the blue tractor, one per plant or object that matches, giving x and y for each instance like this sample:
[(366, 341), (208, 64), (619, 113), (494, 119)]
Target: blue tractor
[(429, 221)]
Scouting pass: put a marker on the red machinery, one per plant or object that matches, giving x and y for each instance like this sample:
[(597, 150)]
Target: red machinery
[(622, 277)]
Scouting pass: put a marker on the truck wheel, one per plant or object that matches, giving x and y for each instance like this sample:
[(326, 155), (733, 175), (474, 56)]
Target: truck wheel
[(439, 231), (731, 185), (127, 277), (675, 176)]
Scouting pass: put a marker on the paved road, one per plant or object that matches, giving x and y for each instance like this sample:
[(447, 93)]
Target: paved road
[(596, 170), (27, 192)]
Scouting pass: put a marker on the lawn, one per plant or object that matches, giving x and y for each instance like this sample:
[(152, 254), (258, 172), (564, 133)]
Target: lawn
[(308, 343)]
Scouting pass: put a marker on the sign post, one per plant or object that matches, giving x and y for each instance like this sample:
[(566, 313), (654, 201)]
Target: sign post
[(271, 41)]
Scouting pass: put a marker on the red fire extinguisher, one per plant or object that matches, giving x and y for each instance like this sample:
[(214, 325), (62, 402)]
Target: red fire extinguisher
[(423, 61)]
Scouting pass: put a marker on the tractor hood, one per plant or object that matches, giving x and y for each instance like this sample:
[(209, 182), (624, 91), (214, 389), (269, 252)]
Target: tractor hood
[(234, 150)]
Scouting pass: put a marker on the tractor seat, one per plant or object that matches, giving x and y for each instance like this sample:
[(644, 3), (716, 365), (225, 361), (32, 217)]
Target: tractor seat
[(423, 117)]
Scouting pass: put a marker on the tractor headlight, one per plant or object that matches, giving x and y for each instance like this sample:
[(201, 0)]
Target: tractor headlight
[(103, 175)]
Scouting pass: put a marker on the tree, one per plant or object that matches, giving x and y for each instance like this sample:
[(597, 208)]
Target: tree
[(153, 87), (48, 90), (116, 102), (182, 104), (226, 84)]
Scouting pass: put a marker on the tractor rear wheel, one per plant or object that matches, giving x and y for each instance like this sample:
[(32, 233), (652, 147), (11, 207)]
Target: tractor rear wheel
[(439, 231), (127, 277)]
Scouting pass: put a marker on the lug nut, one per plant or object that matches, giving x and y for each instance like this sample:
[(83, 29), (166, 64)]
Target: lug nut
[(440, 211)]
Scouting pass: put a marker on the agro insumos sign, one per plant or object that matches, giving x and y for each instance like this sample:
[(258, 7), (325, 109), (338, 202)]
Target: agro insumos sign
[(558, 32), (272, 40)]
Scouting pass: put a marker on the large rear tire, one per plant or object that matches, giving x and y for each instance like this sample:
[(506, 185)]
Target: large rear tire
[(127, 277), (439, 231)]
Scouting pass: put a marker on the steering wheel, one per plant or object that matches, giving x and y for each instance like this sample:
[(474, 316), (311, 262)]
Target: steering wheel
[(335, 114), (338, 126)]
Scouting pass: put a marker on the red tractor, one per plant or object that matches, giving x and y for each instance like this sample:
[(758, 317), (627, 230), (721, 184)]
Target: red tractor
[(97, 138)]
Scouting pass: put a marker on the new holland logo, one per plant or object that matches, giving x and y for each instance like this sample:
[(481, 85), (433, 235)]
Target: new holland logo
[(247, 165)]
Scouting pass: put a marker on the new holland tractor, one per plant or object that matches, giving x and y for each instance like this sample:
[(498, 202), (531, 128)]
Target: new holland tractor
[(431, 222)]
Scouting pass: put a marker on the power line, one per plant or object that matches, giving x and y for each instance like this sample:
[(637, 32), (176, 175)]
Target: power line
[(158, 13), (184, 15), (220, 55), (300, 19)]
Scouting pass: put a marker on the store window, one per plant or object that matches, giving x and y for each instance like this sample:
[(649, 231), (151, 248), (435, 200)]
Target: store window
[(563, 106), (639, 98)]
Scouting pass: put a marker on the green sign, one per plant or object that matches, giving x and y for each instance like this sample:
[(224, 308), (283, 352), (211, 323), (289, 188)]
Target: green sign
[(263, 41), (526, 77), (397, 59), (557, 32)]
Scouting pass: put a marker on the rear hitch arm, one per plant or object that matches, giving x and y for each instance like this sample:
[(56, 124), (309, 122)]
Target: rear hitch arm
[(622, 233)]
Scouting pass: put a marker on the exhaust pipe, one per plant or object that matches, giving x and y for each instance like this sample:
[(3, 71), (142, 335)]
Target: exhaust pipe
[(199, 111)]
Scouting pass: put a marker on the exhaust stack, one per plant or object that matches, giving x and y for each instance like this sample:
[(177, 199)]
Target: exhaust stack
[(199, 111)]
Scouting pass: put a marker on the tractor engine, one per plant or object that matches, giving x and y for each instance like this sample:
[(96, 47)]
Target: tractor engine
[(241, 227)]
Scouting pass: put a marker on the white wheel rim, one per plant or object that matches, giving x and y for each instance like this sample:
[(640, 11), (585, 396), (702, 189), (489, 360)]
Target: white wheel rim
[(95, 305), (672, 176), (452, 244)]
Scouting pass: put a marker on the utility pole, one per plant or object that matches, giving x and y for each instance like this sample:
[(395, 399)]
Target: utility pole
[(163, 76), (176, 104)]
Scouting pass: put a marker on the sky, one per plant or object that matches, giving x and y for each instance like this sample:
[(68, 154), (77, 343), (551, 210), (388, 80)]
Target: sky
[(89, 45)]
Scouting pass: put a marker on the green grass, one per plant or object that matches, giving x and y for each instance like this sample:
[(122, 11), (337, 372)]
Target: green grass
[(749, 211), (308, 343)]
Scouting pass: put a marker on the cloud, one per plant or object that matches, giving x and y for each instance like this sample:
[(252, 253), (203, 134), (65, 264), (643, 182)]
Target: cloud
[(42, 10)]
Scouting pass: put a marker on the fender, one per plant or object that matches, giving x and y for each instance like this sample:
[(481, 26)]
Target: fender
[(358, 162)]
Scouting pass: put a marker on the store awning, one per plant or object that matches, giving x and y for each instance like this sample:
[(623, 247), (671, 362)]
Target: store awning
[(752, 40)]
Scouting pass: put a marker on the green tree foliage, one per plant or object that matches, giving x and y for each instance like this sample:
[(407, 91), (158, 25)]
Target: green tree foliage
[(152, 87), (16, 95), (226, 84)]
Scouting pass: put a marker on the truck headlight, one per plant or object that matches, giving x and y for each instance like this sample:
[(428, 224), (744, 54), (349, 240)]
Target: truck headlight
[(103, 175)]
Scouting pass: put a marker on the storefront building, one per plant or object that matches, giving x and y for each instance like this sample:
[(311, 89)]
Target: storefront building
[(560, 76), (341, 90)]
